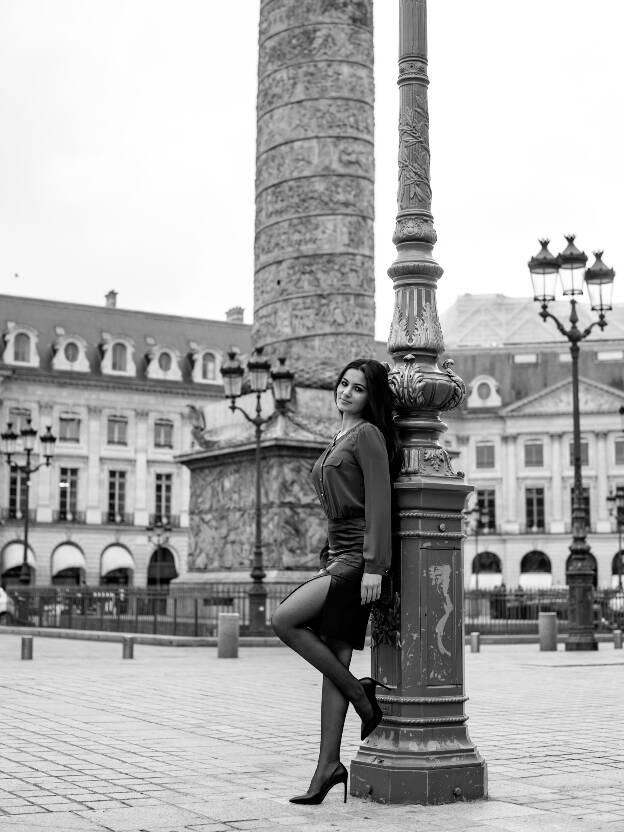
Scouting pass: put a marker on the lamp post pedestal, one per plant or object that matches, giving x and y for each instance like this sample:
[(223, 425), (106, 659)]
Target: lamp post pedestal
[(422, 753), (257, 609)]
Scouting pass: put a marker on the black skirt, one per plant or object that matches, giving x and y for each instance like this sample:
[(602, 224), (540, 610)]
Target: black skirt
[(343, 616)]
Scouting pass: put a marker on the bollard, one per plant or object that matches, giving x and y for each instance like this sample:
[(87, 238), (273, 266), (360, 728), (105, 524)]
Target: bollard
[(547, 628), (617, 639), (227, 635), (475, 642), (27, 647), (127, 648)]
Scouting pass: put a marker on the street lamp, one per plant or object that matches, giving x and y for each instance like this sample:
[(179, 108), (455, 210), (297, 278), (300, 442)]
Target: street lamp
[(259, 370), (479, 519), (616, 509), (28, 436), (158, 534), (569, 266)]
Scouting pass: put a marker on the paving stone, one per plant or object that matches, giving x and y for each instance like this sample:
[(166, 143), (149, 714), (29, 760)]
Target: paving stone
[(171, 739)]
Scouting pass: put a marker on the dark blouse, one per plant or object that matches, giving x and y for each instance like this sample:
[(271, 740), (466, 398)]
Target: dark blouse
[(352, 479)]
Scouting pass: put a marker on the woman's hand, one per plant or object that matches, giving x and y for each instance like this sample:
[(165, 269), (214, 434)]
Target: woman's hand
[(371, 588)]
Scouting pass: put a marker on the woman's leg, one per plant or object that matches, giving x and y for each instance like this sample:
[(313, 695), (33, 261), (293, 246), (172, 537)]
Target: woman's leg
[(290, 622), (333, 713)]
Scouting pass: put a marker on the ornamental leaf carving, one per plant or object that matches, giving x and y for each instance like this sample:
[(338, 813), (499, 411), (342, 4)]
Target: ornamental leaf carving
[(385, 623), (414, 186)]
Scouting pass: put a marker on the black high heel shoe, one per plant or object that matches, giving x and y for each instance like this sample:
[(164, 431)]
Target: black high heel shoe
[(339, 775), (369, 686)]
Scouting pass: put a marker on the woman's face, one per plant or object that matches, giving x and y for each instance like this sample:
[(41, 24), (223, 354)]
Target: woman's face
[(352, 395)]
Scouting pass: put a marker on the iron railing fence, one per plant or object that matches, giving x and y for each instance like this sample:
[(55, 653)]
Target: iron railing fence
[(138, 610), (135, 610)]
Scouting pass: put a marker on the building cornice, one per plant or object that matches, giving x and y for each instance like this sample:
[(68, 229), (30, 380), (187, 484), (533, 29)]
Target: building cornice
[(119, 384)]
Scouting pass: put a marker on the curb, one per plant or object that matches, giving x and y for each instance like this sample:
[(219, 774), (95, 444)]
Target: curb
[(244, 641)]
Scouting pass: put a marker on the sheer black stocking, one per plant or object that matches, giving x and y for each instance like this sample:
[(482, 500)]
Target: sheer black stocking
[(290, 623)]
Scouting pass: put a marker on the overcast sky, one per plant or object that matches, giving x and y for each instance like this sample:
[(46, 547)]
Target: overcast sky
[(128, 143)]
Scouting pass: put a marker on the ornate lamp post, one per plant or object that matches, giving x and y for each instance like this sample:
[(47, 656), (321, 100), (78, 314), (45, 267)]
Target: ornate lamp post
[(616, 508), (259, 370), (570, 267), (421, 751), (158, 534), (9, 449), (479, 519)]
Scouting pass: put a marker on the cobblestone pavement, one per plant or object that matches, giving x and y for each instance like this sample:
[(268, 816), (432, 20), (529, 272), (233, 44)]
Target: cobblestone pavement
[(178, 739)]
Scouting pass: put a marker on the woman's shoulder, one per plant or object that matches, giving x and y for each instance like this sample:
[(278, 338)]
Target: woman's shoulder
[(367, 432)]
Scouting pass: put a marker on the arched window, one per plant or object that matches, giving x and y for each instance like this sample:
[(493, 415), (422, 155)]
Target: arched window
[(21, 348), (535, 571), (119, 361), (209, 367), (535, 562), (487, 571), (617, 570)]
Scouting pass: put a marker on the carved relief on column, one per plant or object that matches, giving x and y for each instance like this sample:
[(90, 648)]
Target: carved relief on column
[(314, 281)]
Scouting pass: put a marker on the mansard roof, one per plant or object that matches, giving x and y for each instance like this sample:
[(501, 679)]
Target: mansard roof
[(143, 328), (499, 321)]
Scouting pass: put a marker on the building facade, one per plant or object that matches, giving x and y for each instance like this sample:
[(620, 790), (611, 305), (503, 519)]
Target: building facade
[(122, 391), (514, 437)]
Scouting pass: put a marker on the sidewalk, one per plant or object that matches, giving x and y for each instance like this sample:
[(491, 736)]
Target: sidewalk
[(177, 739)]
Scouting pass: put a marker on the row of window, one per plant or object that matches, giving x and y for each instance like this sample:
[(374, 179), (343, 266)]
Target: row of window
[(68, 488), (534, 515), (69, 428), (534, 453), (120, 356)]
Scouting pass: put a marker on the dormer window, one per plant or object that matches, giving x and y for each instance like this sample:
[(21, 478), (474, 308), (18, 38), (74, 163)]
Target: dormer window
[(205, 363), (483, 393), (20, 345), (117, 355), (119, 360), (209, 367), (163, 363), (71, 352)]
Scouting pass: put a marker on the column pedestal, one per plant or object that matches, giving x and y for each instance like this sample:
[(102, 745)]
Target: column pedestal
[(421, 752)]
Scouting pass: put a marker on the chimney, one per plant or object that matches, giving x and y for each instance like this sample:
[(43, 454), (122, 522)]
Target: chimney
[(235, 315), (111, 299)]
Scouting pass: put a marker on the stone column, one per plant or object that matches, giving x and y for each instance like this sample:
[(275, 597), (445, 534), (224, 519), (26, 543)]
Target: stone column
[(603, 522), (141, 509), (421, 752), (557, 523), (511, 523), (314, 280), (94, 441)]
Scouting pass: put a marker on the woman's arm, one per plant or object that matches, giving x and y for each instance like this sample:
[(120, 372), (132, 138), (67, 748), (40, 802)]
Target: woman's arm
[(373, 459)]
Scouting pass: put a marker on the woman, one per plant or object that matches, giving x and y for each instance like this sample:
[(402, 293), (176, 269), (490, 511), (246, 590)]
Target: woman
[(325, 619)]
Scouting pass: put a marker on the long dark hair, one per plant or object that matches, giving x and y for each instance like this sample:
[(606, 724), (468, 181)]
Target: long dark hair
[(378, 408)]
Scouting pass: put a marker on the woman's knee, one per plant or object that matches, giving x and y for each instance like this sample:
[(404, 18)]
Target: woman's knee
[(279, 624)]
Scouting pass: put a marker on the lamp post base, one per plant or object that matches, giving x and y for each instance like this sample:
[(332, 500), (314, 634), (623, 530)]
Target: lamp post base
[(581, 636), (257, 610), (405, 779)]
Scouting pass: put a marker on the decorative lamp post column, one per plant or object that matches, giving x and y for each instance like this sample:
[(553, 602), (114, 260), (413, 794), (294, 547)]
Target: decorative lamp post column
[(259, 370), (616, 508), (479, 519), (569, 266), (9, 448), (158, 534), (421, 751)]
